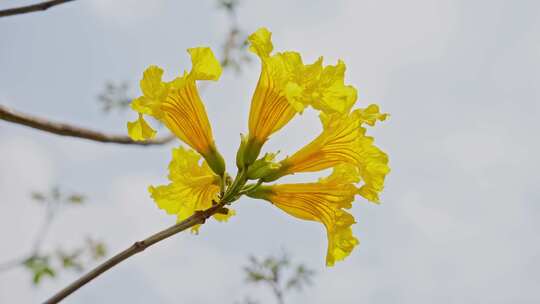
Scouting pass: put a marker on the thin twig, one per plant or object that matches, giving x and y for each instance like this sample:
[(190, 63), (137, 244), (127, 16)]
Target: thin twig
[(51, 207), (32, 8), (8, 265), (64, 129), (198, 218), (38, 239), (277, 292)]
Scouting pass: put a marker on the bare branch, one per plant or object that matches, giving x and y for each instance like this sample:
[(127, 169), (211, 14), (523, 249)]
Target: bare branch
[(64, 129), (5, 266), (32, 8), (234, 50), (197, 218), (270, 272)]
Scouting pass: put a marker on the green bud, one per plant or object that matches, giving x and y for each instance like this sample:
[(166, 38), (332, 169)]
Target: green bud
[(215, 161), (263, 166), (252, 150), (261, 192), (240, 154)]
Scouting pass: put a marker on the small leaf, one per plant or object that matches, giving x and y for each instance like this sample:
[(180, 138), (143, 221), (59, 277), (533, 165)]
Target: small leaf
[(71, 260), (40, 267), (38, 196), (76, 199), (42, 273), (97, 249), (115, 96)]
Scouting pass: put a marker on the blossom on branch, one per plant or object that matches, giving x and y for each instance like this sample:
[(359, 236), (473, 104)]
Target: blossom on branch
[(286, 87)]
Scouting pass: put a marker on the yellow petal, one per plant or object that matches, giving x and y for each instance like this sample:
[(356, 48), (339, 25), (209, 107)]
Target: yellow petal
[(151, 84), (178, 105), (270, 108), (331, 94), (341, 241), (185, 115), (322, 202), (304, 81), (193, 186), (287, 86), (224, 217), (371, 114), (205, 66), (293, 92), (343, 141), (373, 170), (338, 143), (140, 130), (261, 42), (344, 173), (145, 105), (280, 92), (154, 92)]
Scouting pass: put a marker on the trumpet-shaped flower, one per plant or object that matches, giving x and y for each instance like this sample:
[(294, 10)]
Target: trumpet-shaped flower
[(324, 202), (178, 105), (193, 187), (286, 86), (343, 140)]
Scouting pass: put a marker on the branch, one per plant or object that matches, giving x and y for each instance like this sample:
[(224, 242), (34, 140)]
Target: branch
[(32, 8), (277, 292), (197, 218), (5, 266), (73, 131)]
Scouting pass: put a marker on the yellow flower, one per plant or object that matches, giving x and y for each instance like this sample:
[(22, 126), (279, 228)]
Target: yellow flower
[(331, 95), (343, 140), (140, 129), (322, 202), (193, 187), (286, 86), (178, 105)]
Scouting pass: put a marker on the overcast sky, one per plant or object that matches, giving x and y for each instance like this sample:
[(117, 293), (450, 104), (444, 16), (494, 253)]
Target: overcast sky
[(459, 218)]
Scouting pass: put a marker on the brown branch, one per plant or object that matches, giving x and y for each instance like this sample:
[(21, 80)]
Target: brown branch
[(198, 218), (32, 8), (73, 131)]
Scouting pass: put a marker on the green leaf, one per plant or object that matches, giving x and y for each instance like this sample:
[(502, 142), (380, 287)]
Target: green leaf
[(76, 199), (40, 267), (97, 249), (38, 196)]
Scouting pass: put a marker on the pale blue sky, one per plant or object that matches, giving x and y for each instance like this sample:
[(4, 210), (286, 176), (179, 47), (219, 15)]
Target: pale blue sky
[(459, 219)]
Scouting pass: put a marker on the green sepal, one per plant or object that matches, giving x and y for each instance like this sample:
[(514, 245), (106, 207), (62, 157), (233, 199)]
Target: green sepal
[(215, 161), (263, 167), (251, 151), (240, 163)]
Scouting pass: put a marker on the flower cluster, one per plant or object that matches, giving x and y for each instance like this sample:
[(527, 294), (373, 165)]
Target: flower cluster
[(286, 87)]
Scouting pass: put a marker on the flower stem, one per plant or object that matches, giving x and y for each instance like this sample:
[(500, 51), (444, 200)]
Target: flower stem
[(197, 218), (235, 187)]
